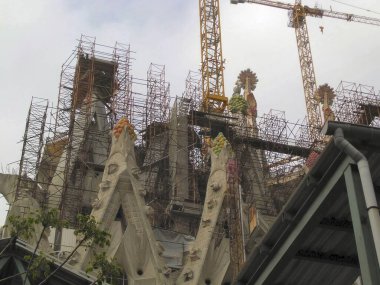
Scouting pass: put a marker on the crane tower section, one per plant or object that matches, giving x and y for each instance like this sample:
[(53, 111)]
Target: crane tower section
[(213, 97), (297, 16), (297, 20)]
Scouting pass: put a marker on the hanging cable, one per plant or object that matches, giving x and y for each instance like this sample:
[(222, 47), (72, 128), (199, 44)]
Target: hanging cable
[(360, 8)]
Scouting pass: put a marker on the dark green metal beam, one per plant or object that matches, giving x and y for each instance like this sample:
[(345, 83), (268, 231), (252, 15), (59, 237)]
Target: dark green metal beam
[(314, 213), (327, 258), (369, 266), (3, 262), (21, 268)]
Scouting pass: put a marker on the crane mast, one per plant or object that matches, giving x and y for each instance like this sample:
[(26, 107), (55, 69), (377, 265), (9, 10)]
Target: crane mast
[(213, 97), (297, 20)]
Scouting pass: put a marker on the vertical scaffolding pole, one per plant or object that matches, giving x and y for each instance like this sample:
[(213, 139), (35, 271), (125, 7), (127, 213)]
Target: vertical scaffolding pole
[(236, 234), (357, 103), (80, 112), (122, 85), (155, 120), (33, 139)]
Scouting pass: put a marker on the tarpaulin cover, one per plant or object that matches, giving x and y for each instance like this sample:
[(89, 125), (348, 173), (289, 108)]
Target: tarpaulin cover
[(174, 244)]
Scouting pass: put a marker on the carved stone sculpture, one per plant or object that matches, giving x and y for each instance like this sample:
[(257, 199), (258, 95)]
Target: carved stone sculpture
[(137, 250), (215, 193)]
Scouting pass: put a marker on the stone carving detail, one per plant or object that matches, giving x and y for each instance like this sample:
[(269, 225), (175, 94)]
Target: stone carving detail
[(160, 248), (142, 192), (105, 185), (188, 274), (194, 254), (96, 203), (149, 212), (216, 189), (167, 271), (137, 250), (215, 186), (211, 204), (206, 222), (113, 168), (135, 171)]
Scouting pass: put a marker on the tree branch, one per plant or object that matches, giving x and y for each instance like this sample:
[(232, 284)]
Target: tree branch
[(6, 247), (64, 262), (34, 254), (10, 277)]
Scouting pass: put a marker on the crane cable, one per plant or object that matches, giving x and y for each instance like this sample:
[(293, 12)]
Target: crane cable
[(368, 10)]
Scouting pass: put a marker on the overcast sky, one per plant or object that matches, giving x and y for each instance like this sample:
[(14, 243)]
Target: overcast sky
[(37, 36)]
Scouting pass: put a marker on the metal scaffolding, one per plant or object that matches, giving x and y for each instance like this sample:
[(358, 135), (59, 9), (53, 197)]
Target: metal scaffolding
[(65, 147), (235, 217), (357, 103), (155, 126), (157, 98), (193, 95), (31, 151), (64, 157)]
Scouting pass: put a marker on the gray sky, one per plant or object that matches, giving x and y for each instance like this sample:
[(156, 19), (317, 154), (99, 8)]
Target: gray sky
[(37, 36)]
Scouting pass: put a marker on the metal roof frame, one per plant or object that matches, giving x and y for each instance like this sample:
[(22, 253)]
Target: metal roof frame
[(301, 248)]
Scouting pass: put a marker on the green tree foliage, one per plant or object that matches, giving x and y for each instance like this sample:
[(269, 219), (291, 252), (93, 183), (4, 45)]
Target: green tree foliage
[(88, 229), (19, 227), (91, 235), (22, 227), (107, 271), (50, 218), (39, 266)]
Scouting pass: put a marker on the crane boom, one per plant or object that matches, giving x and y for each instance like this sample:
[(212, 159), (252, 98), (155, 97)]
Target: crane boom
[(275, 4), (213, 96), (297, 17), (349, 17), (315, 12)]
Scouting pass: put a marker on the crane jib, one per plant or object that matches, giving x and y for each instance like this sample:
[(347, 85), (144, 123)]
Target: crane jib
[(314, 12), (297, 16)]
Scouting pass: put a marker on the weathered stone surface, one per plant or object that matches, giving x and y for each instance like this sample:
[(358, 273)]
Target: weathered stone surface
[(136, 249), (216, 189), (113, 168)]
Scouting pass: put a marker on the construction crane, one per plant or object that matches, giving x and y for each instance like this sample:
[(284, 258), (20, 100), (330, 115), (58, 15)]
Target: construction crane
[(215, 101), (213, 97), (297, 20)]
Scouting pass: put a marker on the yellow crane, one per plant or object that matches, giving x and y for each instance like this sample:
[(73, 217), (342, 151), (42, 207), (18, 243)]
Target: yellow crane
[(297, 20), (215, 101), (213, 97)]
